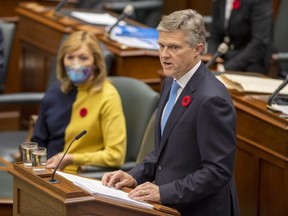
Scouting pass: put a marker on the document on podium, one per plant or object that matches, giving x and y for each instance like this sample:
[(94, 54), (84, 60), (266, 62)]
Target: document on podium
[(96, 187)]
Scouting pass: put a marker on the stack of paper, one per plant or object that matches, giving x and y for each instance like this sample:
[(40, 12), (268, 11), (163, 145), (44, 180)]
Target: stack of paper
[(95, 18), (280, 108), (96, 187), (135, 36), (251, 84), (129, 35)]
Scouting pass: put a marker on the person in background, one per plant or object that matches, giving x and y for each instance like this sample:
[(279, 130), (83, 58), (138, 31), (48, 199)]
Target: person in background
[(192, 165), (246, 26), (83, 98), (1, 56)]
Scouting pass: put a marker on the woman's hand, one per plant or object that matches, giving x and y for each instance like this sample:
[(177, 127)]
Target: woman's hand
[(53, 161)]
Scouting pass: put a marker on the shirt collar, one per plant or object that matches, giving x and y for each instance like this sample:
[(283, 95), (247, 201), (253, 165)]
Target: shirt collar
[(186, 77)]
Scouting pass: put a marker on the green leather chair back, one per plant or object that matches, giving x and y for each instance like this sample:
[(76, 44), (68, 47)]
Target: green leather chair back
[(8, 30), (139, 103)]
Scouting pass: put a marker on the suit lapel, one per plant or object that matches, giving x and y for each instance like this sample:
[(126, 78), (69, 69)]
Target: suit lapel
[(222, 13), (163, 100), (178, 108)]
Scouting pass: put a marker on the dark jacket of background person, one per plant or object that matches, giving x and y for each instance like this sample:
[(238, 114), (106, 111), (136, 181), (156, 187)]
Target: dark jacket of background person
[(249, 29), (1, 55)]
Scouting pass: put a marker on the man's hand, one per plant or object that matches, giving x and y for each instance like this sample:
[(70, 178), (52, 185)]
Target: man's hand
[(220, 68), (145, 192), (118, 179)]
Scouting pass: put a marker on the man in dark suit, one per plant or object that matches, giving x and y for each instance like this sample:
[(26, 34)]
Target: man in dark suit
[(191, 167), (246, 25)]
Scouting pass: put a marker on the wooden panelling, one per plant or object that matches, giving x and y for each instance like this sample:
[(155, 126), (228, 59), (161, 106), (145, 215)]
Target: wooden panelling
[(203, 6), (261, 166)]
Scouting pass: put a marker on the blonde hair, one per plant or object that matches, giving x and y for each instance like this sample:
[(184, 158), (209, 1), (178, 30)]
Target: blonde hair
[(73, 43)]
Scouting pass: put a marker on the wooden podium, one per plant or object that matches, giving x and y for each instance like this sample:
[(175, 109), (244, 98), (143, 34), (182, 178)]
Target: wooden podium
[(261, 169), (35, 195)]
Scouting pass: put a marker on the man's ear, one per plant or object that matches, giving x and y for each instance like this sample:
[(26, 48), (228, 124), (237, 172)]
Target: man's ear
[(199, 49)]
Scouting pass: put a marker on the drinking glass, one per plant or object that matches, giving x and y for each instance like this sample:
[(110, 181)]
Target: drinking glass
[(39, 159), (27, 148)]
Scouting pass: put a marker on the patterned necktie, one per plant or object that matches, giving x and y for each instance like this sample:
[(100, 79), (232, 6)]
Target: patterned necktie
[(170, 104)]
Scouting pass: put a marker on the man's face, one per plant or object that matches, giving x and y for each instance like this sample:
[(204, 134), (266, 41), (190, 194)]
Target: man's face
[(176, 56)]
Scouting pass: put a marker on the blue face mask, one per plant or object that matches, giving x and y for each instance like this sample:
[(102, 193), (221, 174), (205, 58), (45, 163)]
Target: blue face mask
[(79, 74)]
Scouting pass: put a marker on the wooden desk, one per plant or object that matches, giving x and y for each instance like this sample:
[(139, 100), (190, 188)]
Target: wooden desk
[(261, 168), (34, 195), (6, 189)]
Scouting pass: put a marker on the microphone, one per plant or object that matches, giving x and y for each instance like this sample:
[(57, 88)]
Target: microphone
[(53, 180), (276, 92), (60, 5), (128, 11), (221, 50)]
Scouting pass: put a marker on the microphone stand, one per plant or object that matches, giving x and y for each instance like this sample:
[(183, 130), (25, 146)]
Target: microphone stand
[(128, 11), (53, 180), (273, 97), (54, 13), (221, 50)]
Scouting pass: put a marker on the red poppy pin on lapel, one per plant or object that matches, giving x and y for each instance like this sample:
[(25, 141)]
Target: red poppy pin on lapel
[(186, 101), (236, 4), (83, 112)]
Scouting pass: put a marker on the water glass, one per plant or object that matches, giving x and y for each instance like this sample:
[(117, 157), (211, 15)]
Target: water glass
[(27, 148), (39, 159)]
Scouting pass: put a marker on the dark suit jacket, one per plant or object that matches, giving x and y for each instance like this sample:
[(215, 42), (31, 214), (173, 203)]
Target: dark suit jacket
[(250, 31), (193, 161)]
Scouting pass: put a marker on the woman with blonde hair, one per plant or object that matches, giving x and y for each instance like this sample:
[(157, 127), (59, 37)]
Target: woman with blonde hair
[(82, 98)]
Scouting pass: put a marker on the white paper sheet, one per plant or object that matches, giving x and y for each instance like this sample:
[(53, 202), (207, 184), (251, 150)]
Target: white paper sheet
[(97, 188), (255, 84), (136, 42), (95, 18), (280, 108)]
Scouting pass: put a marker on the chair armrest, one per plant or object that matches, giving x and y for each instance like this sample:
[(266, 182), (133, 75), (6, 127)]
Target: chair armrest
[(280, 56), (21, 98), (91, 168), (147, 5), (128, 166), (276, 60), (97, 172)]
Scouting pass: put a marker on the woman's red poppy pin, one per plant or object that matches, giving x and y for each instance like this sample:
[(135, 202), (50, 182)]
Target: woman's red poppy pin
[(83, 112)]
